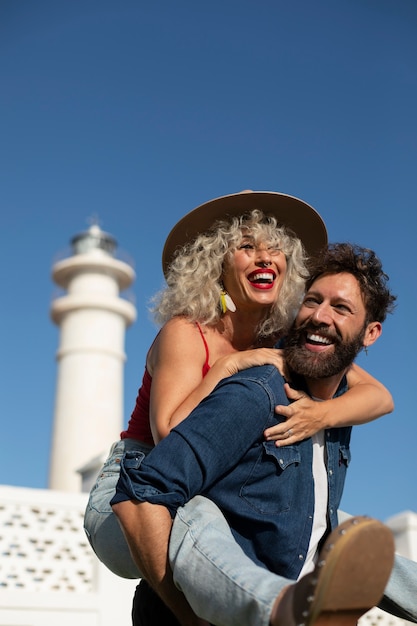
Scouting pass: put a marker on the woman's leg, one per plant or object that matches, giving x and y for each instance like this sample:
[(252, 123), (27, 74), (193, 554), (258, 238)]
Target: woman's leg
[(220, 582), (100, 523)]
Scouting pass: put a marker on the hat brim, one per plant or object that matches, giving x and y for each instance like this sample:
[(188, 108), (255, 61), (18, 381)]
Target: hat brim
[(289, 211)]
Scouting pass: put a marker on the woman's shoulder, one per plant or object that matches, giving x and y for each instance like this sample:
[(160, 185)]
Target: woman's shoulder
[(180, 329), (178, 341), (179, 323)]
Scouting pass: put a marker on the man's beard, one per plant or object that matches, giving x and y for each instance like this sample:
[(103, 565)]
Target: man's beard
[(320, 364)]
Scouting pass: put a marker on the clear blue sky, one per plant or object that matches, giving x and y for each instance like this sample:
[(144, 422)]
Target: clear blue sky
[(139, 111)]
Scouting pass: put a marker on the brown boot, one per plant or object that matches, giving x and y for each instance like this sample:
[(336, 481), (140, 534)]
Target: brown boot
[(350, 577)]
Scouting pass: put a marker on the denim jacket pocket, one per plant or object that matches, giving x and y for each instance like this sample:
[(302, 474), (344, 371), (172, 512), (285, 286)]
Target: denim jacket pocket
[(270, 485)]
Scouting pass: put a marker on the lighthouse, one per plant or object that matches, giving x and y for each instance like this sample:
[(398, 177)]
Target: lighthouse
[(92, 318)]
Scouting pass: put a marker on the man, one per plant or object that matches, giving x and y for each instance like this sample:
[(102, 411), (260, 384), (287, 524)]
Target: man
[(279, 502)]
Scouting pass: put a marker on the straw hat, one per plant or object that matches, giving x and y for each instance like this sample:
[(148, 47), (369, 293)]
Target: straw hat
[(288, 210)]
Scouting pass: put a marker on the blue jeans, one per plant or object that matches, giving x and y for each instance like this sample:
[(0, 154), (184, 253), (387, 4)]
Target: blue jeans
[(227, 588), (100, 523)]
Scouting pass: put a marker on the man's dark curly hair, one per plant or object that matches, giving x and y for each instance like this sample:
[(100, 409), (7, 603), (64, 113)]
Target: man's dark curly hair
[(367, 269)]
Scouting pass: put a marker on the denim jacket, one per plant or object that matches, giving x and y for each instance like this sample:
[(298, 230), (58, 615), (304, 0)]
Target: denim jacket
[(266, 493)]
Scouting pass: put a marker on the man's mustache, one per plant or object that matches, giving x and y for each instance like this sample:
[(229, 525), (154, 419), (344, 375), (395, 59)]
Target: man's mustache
[(296, 334)]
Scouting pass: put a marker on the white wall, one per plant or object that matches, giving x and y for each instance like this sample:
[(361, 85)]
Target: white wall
[(48, 573)]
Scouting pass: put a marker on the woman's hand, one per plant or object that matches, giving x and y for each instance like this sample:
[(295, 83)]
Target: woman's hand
[(237, 361), (303, 418), (365, 400)]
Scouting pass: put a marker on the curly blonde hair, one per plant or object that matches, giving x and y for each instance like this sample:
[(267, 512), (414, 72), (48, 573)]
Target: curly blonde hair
[(194, 277)]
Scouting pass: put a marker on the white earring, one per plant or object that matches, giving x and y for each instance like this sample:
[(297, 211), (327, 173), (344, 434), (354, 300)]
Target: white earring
[(226, 302)]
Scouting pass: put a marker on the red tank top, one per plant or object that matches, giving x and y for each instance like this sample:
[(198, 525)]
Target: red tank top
[(139, 426)]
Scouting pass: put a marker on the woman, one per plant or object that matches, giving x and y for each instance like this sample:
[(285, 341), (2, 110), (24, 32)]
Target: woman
[(233, 288)]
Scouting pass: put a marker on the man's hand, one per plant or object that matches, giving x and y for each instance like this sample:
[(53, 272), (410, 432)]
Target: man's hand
[(147, 528)]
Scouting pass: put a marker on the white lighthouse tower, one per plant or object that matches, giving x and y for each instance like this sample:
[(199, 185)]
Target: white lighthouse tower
[(92, 318)]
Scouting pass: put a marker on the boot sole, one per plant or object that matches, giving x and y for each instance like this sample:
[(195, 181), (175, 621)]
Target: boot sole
[(351, 575)]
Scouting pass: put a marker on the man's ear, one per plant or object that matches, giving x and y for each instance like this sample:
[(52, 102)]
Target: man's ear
[(373, 331)]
